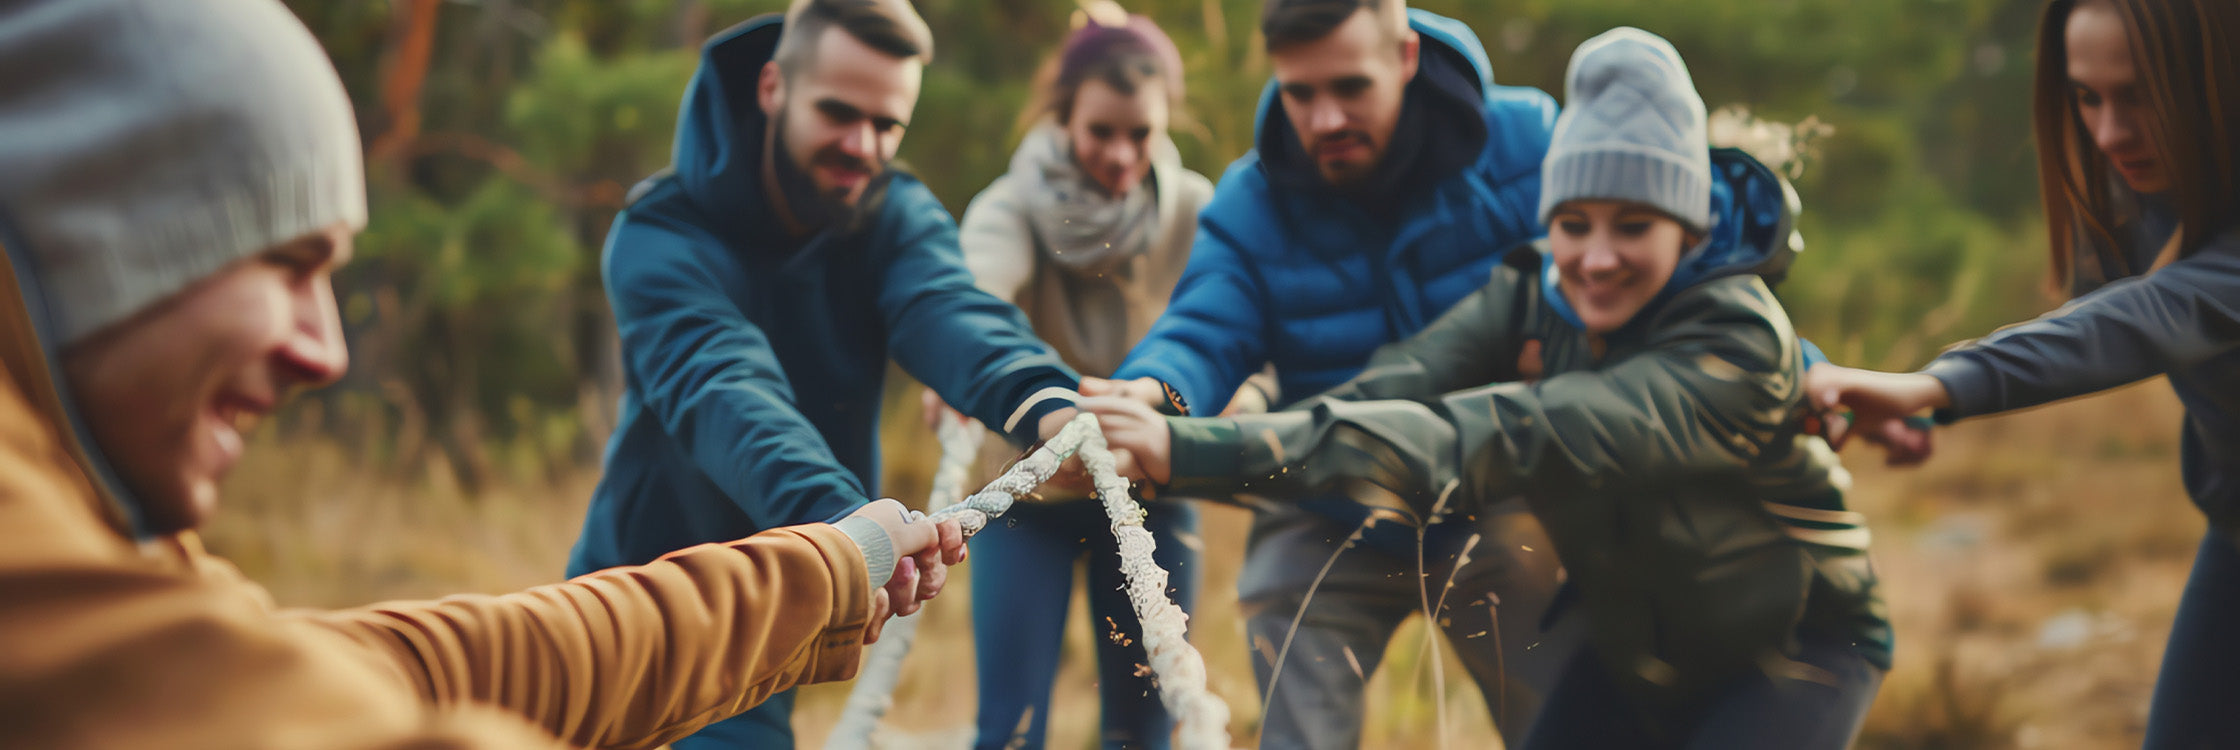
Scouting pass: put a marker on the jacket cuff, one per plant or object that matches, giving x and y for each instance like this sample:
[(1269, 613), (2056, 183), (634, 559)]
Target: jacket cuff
[(839, 650), (1178, 400), (1204, 454), (1969, 383), (877, 547), (1025, 423)]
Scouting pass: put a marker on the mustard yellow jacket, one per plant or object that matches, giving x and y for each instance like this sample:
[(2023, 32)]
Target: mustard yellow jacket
[(108, 641)]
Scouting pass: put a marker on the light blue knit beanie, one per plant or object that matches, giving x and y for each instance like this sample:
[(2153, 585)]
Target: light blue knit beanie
[(1632, 129)]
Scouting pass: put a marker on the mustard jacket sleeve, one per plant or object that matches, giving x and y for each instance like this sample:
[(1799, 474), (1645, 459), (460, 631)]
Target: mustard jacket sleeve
[(638, 656), (109, 644)]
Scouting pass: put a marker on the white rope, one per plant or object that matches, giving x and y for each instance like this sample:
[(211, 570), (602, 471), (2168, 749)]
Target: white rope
[(873, 692), (1202, 719)]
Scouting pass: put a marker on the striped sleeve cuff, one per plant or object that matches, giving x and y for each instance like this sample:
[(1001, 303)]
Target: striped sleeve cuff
[(1028, 416)]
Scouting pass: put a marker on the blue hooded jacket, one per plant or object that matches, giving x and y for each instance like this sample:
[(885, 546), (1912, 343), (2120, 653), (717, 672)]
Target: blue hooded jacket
[(754, 363), (1287, 270)]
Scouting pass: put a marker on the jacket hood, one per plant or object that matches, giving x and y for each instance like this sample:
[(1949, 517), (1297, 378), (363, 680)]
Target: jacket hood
[(30, 351), (1753, 213), (1443, 108), (717, 155)]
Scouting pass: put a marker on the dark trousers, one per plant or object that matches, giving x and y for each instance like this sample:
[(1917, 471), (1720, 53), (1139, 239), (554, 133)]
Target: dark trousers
[(2197, 697), (1588, 709), (1491, 617)]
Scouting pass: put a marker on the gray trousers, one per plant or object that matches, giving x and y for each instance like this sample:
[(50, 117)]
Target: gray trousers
[(1491, 617)]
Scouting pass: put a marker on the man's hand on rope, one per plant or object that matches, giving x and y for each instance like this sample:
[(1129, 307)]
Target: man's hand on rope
[(1138, 437), (923, 552), (1146, 390), (1070, 477)]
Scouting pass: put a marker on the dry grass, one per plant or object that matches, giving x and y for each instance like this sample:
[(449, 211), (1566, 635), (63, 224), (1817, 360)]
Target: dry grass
[(2032, 570)]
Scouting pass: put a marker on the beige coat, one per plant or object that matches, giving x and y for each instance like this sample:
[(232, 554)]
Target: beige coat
[(1090, 309), (106, 642), (1091, 312)]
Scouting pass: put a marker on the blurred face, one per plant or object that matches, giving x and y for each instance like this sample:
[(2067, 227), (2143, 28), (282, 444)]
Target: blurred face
[(1111, 132), (842, 119), (1612, 257), (168, 393), (2105, 87), (1342, 93)]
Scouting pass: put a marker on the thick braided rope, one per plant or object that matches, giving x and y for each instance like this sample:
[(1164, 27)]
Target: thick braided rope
[(1201, 718), (873, 692), (1179, 671), (1022, 478)]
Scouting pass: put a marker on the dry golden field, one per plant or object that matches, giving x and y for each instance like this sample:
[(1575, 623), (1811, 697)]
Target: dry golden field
[(2032, 568)]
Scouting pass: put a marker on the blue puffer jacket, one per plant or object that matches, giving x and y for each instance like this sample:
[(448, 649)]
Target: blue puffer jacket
[(754, 363), (1286, 270)]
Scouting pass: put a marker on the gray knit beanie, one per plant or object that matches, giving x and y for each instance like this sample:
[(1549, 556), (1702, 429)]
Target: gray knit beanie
[(1632, 129), (145, 144)]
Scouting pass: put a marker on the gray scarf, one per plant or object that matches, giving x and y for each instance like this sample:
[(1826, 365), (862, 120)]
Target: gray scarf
[(1078, 226)]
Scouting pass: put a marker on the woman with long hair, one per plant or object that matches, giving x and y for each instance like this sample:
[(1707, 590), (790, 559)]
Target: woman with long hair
[(2137, 116)]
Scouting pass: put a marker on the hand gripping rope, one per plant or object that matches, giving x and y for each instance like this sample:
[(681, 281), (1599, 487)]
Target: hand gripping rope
[(1202, 719)]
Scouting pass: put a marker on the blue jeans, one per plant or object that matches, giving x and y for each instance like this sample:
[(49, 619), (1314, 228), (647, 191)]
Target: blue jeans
[(1022, 583), (2198, 692), (1589, 710)]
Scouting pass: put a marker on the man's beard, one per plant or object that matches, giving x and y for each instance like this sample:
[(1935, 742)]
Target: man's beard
[(811, 207)]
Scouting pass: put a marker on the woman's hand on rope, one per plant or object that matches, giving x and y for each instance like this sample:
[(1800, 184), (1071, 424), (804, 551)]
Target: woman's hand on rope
[(1141, 445), (1883, 408), (923, 551)]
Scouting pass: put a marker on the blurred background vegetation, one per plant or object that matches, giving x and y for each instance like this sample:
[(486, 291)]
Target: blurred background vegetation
[(503, 134)]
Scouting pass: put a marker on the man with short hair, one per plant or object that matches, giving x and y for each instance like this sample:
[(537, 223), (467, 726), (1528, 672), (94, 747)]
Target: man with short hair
[(761, 284), (180, 182), (1389, 174)]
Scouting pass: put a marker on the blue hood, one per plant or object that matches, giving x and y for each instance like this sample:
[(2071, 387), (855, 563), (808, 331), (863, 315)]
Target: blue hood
[(717, 157), (1753, 214)]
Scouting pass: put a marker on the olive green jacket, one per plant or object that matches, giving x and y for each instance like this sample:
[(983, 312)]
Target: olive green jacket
[(1700, 527)]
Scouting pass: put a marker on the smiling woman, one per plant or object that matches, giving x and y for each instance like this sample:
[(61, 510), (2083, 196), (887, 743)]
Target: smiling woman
[(1638, 393), (1612, 257), (1087, 233)]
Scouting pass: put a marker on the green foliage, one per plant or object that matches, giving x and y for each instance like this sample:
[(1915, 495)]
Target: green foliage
[(478, 310)]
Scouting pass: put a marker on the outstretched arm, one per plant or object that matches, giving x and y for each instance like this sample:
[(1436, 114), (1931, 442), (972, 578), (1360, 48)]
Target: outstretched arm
[(1714, 389), (977, 351), (711, 379)]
